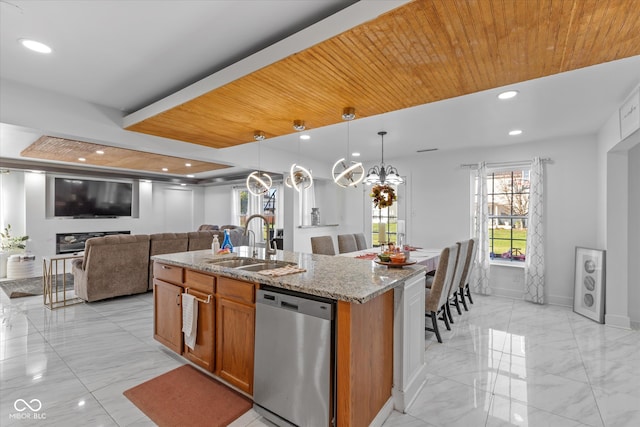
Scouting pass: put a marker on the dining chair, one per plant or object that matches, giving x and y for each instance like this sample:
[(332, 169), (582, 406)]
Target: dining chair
[(322, 245), (472, 266), (466, 270), (346, 243), (452, 294), (436, 297), (361, 241)]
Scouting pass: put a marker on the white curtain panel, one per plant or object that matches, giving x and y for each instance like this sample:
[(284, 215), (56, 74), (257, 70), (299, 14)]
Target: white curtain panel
[(534, 262), (255, 207), (235, 206), (480, 281), (280, 206)]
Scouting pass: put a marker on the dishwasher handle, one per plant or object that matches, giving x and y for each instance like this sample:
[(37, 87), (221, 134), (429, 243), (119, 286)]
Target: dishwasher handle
[(288, 305), (302, 305)]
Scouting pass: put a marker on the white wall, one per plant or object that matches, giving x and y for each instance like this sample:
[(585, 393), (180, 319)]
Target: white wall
[(634, 235), (616, 198), (440, 195), (26, 212)]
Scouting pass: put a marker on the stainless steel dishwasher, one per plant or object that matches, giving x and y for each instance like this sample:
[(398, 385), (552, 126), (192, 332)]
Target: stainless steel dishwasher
[(294, 358)]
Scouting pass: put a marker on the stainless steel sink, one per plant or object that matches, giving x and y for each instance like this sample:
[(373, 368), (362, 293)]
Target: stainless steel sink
[(250, 264), (235, 262), (265, 265)]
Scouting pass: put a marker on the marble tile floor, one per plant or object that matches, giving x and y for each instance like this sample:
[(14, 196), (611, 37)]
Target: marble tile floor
[(504, 363)]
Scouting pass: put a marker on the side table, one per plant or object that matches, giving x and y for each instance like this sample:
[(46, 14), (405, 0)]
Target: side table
[(54, 287)]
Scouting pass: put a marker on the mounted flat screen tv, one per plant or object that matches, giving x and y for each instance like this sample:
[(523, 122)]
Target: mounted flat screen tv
[(84, 198)]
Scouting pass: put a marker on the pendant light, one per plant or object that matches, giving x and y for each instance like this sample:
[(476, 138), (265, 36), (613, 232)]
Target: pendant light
[(299, 177), (383, 174), (347, 173), (258, 182)]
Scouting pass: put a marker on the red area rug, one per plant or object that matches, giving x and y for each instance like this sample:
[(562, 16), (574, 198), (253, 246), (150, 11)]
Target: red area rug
[(187, 397)]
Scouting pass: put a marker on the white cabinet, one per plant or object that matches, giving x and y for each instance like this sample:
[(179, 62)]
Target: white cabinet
[(409, 369)]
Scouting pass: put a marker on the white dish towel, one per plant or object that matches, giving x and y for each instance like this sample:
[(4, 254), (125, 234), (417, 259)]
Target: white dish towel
[(189, 319)]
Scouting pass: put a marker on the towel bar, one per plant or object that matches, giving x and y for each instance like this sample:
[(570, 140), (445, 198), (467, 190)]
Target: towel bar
[(207, 301)]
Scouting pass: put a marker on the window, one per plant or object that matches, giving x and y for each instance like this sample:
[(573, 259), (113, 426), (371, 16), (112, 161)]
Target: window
[(388, 217), (246, 204), (508, 208)]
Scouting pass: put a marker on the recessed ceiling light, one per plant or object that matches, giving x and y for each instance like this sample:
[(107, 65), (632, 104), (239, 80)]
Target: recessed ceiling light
[(356, 154), (515, 132), (188, 165), (305, 137), (191, 176), (508, 94), (146, 180), (82, 159), (99, 152), (165, 170), (183, 184), (35, 46), (36, 171)]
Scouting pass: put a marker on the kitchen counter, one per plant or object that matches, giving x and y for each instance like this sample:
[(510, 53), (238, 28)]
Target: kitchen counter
[(340, 278)]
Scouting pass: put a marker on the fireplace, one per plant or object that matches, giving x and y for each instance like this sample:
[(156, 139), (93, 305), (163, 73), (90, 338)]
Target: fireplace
[(74, 242)]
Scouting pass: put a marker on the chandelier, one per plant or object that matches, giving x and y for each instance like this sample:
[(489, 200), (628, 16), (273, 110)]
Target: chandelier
[(299, 177), (347, 173), (258, 182), (383, 174)]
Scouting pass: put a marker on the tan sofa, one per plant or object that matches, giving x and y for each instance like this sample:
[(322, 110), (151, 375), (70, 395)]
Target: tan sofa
[(165, 243), (118, 265), (112, 266)]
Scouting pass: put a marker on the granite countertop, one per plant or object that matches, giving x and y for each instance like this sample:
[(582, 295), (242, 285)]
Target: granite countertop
[(340, 278)]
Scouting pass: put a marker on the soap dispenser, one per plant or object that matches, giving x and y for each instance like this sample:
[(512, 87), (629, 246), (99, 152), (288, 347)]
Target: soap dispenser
[(226, 243), (215, 245)]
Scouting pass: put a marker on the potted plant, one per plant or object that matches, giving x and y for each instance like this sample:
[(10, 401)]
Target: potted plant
[(9, 245)]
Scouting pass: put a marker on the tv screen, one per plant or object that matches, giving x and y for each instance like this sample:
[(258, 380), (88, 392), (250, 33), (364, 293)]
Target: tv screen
[(88, 198)]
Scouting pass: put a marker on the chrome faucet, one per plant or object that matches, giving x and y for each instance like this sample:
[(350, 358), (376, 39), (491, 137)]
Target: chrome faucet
[(271, 246)]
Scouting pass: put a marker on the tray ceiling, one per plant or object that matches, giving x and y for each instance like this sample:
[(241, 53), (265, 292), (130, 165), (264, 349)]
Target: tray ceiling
[(425, 51), (67, 150)]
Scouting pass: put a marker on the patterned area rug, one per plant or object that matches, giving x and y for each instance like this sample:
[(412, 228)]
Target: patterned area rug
[(30, 286)]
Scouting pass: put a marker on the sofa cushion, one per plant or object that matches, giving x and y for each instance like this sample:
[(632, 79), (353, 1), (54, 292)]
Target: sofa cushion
[(199, 240), (205, 227), (165, 243), (112, 266)]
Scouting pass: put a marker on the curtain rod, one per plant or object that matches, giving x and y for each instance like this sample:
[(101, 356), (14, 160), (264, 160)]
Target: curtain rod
[(498, 164)]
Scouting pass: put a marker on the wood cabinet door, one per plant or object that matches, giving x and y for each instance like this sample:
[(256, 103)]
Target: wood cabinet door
[(235, 334), (204, 350), (167, 314)]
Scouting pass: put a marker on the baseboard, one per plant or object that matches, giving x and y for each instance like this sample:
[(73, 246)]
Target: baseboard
[(403, 399), (560, 300), (623, 322), (383, 414), (519, 295), (507, 293)]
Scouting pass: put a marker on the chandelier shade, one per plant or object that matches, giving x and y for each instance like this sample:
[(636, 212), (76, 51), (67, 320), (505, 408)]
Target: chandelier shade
[(383, 174)]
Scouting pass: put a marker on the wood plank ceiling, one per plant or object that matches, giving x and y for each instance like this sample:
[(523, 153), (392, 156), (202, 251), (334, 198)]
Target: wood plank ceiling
[(67, 150), (425, 51)]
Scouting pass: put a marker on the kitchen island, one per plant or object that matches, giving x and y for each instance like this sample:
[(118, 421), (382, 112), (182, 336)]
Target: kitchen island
[(379, 320)]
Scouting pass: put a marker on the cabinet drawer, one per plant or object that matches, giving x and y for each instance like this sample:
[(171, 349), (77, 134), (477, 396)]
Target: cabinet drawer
[(168, 273), (236, 290), (199, 281)]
